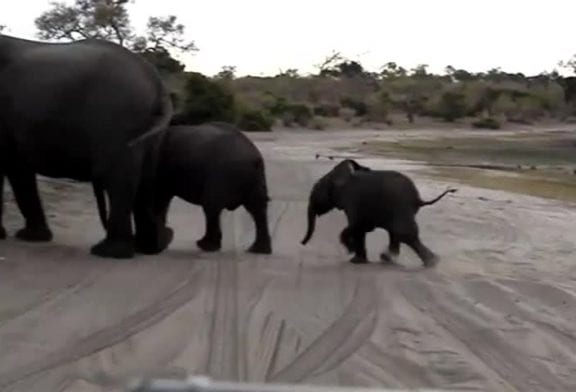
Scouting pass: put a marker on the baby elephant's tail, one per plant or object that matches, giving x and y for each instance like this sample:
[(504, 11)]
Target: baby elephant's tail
[(430, 202)]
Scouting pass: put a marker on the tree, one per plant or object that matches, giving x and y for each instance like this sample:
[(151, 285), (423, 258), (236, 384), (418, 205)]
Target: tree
[(104, 19), (392, 70), (228, 72), (109, 20), (2, 28)]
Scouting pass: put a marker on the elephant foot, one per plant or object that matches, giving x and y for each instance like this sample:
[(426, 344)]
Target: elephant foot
[(431, 261), (261, 247), (113, 249), (34, 234), (3, 234), (208, 244), (358, 260), (388, 258), (165, 238)]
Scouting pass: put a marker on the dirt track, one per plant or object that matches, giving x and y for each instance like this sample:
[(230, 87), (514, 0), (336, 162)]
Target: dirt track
[(498, 313)]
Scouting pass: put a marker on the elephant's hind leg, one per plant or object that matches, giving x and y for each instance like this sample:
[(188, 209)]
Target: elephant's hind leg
[(25, 189), (406, 231), (393, 252), (121, 182), (2, 229), (212, 240), (258, 211)]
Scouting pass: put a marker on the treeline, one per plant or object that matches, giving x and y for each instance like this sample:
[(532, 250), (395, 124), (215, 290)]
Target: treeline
[(346, 91), (340, 89)]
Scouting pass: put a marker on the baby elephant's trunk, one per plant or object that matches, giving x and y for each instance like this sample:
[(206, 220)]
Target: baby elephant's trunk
[(311, 224)]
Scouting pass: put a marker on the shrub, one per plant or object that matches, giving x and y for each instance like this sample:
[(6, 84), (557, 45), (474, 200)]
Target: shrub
[(347, 114), (486, 123), (360, 107), (255, 120), (318, 123), (450, 106), (205, 100), (295, 113), (327, 110)]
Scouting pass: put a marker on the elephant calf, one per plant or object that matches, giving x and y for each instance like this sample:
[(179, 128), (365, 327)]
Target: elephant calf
[(371, 199), (216, 166)]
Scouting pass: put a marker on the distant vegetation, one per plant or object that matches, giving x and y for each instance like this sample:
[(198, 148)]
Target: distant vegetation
[(341, 90)]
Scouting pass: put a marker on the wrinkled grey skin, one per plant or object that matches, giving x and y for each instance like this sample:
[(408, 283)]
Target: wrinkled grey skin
[(216, 166), (89, 110), (371, 199)]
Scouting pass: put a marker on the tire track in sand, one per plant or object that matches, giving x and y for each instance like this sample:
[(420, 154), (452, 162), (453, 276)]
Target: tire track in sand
[(338, 341), (483, 342), (107, 337), (223, 358)]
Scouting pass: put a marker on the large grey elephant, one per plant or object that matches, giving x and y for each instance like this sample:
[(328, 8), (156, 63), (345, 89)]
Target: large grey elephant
[(216, 166), (89, 110), (371, 199)]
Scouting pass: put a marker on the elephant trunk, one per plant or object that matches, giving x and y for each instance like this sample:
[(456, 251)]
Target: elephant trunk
[(311, 223)]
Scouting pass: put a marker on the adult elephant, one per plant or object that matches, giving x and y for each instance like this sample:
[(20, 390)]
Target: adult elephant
[(216, 166), (86, 110), (371, 199)]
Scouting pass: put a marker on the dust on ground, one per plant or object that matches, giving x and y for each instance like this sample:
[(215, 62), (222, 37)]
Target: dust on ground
[(498, 312)]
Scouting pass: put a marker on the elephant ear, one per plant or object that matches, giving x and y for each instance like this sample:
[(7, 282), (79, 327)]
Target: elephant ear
[(342, 172), (357, 166)]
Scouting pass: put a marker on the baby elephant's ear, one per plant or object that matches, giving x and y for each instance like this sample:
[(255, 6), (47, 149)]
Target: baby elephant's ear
[(358, 167)]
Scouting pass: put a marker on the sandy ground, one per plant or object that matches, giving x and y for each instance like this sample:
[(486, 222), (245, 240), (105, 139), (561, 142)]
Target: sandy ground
[(498, 313)]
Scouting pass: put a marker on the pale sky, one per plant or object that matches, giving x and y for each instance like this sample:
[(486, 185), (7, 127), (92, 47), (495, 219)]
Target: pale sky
[(264, 36)]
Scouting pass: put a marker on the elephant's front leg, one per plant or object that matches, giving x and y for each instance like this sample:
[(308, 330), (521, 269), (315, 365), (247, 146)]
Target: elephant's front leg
[(25, 190), (355, 241), (212, 240), (359, 243)]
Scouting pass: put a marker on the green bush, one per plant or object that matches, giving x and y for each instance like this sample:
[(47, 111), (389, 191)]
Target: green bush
[(292, 113), (450, 106), (255, 121), (360, 107), (205, 100), (326, 110), (486, 123)]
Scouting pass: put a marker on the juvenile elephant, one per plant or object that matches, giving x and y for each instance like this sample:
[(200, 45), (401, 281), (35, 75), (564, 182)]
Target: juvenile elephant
[(371, 199), (216, 166), (87, 110)]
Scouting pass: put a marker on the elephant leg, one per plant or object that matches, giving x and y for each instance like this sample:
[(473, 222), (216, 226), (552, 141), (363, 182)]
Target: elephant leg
[(152, 234), (2, 229), (393, 250), (212, 240), (358, 242), (28, 200), (406, 230), (121, 183), (424, 253), (262, 243), (346, 239)]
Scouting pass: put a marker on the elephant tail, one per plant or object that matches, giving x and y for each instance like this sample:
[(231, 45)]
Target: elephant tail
[(100, 202), (161, 121), (430, 202)]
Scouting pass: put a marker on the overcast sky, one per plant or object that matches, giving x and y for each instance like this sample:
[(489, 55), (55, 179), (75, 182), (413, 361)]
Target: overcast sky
[(264, 36)]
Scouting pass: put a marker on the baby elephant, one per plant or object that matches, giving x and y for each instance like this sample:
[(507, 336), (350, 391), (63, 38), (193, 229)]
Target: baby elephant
[(371, 199), (216, 166)]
